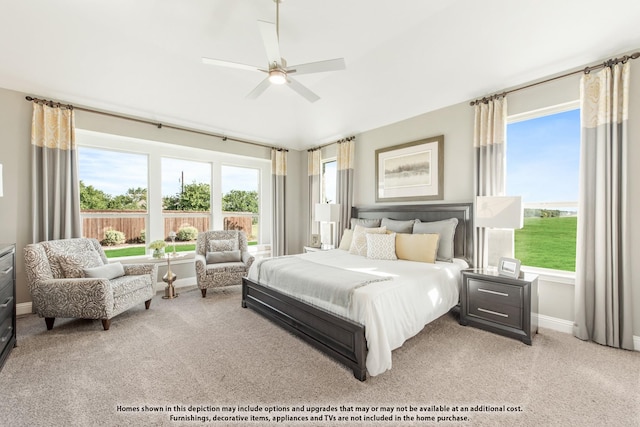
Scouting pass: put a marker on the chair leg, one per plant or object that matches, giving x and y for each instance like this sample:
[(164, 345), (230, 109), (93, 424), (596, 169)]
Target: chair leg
[(49, 321), (106, 323), (147, 303), (204, 292)]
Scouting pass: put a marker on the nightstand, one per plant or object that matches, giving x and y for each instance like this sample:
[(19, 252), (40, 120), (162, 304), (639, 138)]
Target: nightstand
[(312, 249), (500, 304)]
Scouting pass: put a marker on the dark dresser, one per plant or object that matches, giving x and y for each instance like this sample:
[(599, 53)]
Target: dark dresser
[(7, 300), (504, 305)]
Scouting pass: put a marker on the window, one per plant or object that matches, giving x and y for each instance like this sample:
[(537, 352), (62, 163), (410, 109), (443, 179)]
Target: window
[(186, 200), (173, 188), (543, 155), (240, 202), (328, 183), (113, 199)]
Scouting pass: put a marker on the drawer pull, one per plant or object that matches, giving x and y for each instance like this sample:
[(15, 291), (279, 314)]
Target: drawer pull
[(8, 270), (6, 303), (492, 312), (7, 335), (502, 294)]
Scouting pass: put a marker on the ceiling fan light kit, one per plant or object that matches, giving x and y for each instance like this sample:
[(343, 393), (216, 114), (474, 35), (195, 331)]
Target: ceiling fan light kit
[(278, 73)]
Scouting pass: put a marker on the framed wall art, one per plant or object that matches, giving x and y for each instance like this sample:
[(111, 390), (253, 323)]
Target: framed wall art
[(411, 172)]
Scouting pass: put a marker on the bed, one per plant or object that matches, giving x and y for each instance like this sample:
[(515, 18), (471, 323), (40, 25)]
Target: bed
[(363, 335)]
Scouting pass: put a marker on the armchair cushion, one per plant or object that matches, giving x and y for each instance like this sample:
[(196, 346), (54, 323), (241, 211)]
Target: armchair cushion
[(108, 271), (72, 265), (216, 245), (224, 256)]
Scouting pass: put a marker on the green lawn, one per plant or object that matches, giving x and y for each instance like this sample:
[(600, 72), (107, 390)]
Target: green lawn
[(547, 243)]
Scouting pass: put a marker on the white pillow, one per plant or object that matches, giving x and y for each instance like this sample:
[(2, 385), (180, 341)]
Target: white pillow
[(359, 240), (107, 271), (381, 246), (347, 237)]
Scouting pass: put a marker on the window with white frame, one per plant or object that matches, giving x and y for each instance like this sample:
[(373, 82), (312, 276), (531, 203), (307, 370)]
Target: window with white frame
[(240, 200), (178, 188), (328, 192), (542, 160)]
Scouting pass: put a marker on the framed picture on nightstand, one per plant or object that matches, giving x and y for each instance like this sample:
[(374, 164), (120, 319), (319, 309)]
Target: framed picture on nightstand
[(509, 267), (315, 240)]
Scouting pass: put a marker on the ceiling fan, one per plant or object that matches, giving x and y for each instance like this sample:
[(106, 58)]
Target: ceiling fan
[(278, 71)]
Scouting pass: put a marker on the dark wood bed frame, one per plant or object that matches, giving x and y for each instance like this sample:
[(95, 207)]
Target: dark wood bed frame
[(339, 337)]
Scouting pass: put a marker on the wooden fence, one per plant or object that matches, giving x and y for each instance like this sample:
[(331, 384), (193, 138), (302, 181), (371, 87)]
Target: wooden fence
[(133, 227)]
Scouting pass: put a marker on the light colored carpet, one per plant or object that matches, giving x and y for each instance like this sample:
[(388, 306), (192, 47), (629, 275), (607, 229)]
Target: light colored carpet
[(213, 353)]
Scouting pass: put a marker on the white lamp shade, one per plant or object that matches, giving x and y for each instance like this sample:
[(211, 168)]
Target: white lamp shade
[(327, 212), (499, 212)]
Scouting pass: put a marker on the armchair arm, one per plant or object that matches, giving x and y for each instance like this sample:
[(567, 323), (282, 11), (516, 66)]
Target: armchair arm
[(201, 265), (82, 298), (140, 269), (247, 259)]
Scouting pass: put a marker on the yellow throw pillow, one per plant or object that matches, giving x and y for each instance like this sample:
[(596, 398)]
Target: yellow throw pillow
[(417, 247)]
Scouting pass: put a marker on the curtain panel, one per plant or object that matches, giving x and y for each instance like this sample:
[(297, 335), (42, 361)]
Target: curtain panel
[(314, 167), (55, 188), (490, 128), (279, 178), (603, 268), (345, 164)]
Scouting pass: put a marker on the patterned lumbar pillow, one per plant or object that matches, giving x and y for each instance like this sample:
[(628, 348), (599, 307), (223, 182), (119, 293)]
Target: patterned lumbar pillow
[(72, 265), (359, 240), (223, 245), (381, 246)]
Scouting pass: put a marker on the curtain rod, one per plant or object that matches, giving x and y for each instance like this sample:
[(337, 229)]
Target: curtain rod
[(55, 104), (586, 70), (340, 141)]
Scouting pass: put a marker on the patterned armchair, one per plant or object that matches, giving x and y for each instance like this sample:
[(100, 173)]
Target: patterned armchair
[(73, 278), (222, 259)]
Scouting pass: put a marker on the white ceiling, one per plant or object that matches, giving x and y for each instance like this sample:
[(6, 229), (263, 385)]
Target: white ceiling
[(403, 57)]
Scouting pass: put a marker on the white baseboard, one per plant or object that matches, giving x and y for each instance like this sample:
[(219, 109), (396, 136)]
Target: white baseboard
[(566, 326), (24, 308)]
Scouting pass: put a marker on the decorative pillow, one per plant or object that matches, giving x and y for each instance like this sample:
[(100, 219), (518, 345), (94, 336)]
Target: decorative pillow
[(359, 240), (381, 246), (347, 237), (72, 265), (223, 256), (398, 226), (223, 245), (367, 223), (446, 229), (417, 247), (107, 271)]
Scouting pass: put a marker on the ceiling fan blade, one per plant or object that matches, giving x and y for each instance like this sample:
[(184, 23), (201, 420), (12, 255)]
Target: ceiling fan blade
[(270, 40), (229, 64), (258, 90), (318, 67), (302, 90)]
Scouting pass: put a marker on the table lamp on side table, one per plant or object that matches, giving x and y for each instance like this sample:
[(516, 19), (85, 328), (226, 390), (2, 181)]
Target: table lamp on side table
[(327, 214)]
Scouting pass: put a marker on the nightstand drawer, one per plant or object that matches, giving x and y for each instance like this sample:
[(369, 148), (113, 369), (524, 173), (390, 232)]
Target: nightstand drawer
[(6, 302), (485, 291), (508, 315)]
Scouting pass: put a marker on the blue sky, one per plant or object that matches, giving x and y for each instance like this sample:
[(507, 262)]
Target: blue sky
[(114, 172), (543, 156)]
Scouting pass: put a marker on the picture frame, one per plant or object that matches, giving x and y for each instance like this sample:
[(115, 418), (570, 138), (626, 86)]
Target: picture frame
[(413, 171), (509, 267), (315, 241)]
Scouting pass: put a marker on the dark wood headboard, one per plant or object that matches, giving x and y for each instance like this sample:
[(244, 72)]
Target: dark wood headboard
[(463, 238)]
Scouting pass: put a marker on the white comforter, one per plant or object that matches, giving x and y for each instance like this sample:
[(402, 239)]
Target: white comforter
[(392, 311)]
